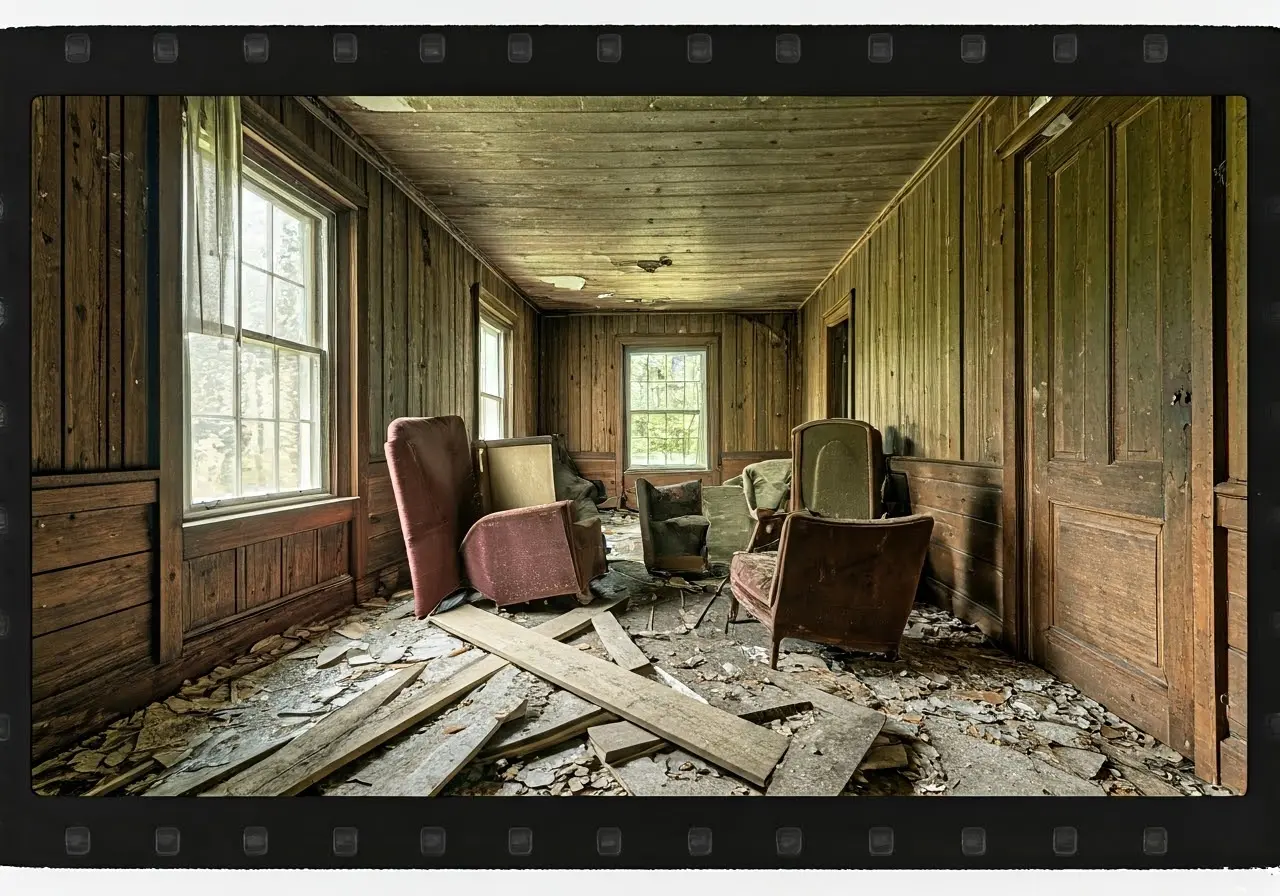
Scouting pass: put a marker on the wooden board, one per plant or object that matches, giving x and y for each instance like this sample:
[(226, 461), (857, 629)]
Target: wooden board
[(497, 702), (565, 716), (182, 783), (317, 754), (619, 741), (258, 780), (621, 649), (740, 747)]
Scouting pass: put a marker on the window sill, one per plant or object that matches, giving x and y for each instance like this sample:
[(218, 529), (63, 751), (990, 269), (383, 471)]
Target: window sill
[(667, 471), (232, 530)]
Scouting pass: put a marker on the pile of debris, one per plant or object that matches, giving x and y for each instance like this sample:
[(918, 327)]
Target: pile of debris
[(636, 700)]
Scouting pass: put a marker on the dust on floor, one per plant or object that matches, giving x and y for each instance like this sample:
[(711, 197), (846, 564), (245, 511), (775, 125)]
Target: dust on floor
[(963, 717)]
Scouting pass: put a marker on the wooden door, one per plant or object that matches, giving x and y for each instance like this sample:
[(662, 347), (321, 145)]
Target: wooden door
[(1118, 209)]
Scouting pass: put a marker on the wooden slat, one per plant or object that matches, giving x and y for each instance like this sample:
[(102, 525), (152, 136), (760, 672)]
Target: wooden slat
[(71, 656), (565, 716), (333, 552), (113, 331), (51, 502), (46, 283), (619, 645), (981, 504), (262, 574), (299, 560), (138, 353), (85, 287), (74, 596), (209, 589), (716, 736), (374, 264), (317, 754), (190, 783), (71, 539)]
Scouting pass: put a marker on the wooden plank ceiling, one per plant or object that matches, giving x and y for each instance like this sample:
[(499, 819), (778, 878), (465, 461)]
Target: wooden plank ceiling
[(751, 199)]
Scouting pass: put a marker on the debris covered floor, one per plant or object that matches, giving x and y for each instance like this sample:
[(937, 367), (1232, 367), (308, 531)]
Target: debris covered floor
[(961, 716)]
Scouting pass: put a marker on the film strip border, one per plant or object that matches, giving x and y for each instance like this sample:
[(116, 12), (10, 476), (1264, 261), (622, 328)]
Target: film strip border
[(638, 833)]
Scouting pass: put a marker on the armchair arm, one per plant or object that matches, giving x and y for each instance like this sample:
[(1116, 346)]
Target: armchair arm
[(767, 530)]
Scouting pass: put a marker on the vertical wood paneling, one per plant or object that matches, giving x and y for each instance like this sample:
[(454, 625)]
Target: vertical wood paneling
[(46, 283), (299, 560), (84, 285), (373, 265), (113, 331), (135, 165)]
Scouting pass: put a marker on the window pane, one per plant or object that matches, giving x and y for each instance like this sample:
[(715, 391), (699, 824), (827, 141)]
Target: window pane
[(309, 457), (666, 394), (291, 313), (287, 233), (255, 300), (257, 458), (490, 418), (290, 457), (255, 229), (213, 459), (211, 363), (290, 384), (492, 363), (257, 381)]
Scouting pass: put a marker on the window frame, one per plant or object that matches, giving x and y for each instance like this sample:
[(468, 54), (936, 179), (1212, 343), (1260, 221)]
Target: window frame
[(625, 346), (490, 314), (263, 177)]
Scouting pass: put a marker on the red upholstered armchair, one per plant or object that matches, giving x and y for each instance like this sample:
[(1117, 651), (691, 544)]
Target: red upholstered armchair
[(510, 556)]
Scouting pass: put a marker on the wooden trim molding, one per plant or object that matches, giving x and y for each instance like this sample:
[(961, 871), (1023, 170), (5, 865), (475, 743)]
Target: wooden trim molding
[(1030, 129), (168, 211), (292, 151), (224, 533)]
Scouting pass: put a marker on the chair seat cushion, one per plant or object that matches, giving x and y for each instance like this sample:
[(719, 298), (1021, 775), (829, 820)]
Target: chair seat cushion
[(680, 535), (751, 575)]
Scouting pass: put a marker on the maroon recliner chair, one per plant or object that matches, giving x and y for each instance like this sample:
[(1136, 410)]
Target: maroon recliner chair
[(510, 556)]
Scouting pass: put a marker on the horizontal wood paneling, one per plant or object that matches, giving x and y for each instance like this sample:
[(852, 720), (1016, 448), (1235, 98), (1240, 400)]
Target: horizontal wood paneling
[(928, 281), (69, 597), (963, 569), (71, 656), (72, 539), (756, 377)]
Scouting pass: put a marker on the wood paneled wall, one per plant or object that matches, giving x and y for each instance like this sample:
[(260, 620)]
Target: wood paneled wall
[(96, 429), (756, 382), (929, 285)]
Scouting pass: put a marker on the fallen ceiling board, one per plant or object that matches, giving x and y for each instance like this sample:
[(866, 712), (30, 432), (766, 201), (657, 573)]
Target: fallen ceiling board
[(619, 645), (823, 756), (255, 780), (497, 702), (737, 746), (620, 741), (321, 756)]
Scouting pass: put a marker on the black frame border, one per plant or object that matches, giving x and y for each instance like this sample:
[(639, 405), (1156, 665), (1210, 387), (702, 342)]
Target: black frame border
[(1241, 831)]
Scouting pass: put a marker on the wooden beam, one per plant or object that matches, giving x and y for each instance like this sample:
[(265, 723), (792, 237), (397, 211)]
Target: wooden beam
[(318, 755), (564, 717), (737, 746), (182, 783)]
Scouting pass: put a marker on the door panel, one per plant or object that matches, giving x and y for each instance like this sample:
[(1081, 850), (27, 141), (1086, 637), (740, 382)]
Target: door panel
[(1111, 209)]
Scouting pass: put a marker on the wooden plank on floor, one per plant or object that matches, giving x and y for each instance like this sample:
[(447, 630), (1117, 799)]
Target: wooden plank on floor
[(619, 741), (564, 717), (258, 780), (737, 746), (189, 783), (320, 754), (622, 650), (495, 704)]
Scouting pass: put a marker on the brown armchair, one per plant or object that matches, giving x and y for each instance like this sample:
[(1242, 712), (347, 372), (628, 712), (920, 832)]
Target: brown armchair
[(673, 529), (850, 583), (491, 531)]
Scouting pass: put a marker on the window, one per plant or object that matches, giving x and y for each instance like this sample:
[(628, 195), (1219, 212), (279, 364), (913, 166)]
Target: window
[(493, 379), (258, 373), (666, 408)]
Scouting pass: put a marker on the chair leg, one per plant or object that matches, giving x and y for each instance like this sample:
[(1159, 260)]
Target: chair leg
[(774, 642), (732, 616)]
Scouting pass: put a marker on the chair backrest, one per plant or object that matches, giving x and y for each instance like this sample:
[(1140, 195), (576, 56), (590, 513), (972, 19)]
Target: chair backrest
[(766, 484), (432, 477), (853, 581), (837, 469), (516, 473), (665, 502)]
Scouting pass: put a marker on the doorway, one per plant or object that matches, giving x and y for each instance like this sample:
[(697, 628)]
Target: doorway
[(1114, 206), (839, 327)]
